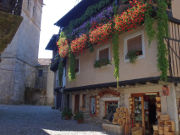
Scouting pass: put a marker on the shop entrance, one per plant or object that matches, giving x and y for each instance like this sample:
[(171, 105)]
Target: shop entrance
[(144, 111)]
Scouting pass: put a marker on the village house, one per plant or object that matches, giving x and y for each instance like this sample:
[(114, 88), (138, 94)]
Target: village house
[(113, 54), (19, 46)]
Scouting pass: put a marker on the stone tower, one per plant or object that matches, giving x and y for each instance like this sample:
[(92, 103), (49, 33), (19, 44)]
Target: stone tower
[(19, 59)]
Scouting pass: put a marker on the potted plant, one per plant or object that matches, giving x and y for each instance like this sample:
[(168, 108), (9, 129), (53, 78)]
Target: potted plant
[(79, 117), (102, 62), (132, 56), (67, 114)]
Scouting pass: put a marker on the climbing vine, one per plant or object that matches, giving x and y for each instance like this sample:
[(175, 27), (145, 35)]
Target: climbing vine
[(149, 21), (115, 42), (71, 72), (162, 31)]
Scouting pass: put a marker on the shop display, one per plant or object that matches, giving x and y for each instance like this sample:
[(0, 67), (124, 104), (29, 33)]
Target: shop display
[(158, 107), (122, 118), (144, 110), (165, 126), (137, 131)]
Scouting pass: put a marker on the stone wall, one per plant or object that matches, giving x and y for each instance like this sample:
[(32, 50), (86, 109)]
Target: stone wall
[(17, 68), (15, 75)]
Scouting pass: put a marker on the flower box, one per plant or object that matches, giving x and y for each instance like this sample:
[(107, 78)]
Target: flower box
[(101, 33), (63, 47), (79, 44), (130, 18)]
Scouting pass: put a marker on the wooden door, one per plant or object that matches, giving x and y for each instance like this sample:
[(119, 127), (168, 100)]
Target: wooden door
[(76, 109)]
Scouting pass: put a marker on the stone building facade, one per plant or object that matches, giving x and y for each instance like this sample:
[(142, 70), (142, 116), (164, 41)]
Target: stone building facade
[(20, 58)]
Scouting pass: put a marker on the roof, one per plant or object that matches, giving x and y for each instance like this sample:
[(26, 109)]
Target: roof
[(52, 43), (44, 62), (75, 12)]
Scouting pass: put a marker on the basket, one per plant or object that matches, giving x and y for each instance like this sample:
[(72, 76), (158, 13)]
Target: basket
[(167, 128), (164, 117), (158, 99), (155, 127)]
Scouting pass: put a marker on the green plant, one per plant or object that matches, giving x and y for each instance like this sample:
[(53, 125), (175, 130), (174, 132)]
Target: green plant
[(132, 56), (162, 31), (115, 42), (149, 21), (79, 116), (101, 62), (71, 72), (66, 113)]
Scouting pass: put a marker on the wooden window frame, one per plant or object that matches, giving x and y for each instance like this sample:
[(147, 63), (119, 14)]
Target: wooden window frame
[(130, 37), (77, 73), (102, 48)]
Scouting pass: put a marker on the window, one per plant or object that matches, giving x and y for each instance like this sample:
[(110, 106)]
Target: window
[(40, 73), (103, 53), (77, 64), (92, 105), (134, 44), (34, 11)]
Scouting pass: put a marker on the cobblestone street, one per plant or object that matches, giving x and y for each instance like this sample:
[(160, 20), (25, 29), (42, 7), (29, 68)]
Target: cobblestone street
[(41, 120)]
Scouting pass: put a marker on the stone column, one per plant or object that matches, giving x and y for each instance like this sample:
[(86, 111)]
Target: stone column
[(73, 102)]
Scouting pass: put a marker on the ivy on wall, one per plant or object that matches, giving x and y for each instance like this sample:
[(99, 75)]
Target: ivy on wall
[(115, 43), (162, 31), (149, 21), (71, 71), (159, 33)]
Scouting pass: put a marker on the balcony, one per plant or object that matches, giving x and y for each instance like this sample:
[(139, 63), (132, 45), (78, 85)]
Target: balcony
[(11, 6)]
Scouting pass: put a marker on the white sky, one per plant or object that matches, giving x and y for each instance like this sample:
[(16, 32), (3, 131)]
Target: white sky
[(53, 10)]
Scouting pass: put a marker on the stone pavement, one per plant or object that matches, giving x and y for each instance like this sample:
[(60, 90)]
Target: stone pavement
[(41, 120)]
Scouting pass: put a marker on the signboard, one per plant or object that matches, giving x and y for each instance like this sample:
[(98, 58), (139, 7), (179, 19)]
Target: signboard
[(165, 90)]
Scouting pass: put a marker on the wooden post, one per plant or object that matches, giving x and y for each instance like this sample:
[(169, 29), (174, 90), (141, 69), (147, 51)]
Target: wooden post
[(81, 102)]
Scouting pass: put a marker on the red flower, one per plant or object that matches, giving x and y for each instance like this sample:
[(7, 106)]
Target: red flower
[(100, 34), (79, 44), (63, 47), (130, 18)]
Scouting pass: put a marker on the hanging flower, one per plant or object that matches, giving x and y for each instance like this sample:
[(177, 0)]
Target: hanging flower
[(79, 44), (131, 18), (63, 47), (101, 33)]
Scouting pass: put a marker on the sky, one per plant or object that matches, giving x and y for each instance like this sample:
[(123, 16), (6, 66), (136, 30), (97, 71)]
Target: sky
[(53, 10)]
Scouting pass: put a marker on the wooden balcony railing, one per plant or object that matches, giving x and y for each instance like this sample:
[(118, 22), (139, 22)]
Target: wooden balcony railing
[(173, 46), (11, 6)]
